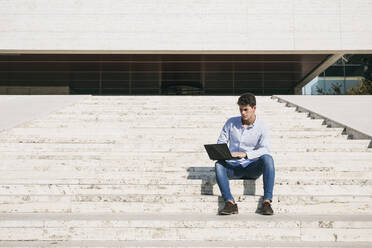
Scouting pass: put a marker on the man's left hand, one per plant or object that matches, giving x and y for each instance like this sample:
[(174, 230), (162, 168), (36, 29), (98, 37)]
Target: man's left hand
[(239, 154)]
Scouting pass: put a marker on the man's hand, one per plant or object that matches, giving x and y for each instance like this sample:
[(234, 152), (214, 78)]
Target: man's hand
[(239, 154)]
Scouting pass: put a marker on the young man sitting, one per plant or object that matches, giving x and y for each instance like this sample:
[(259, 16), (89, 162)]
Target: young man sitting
[(248, 140)]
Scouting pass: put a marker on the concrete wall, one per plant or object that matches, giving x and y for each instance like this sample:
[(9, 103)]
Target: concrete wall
[(186, 25)]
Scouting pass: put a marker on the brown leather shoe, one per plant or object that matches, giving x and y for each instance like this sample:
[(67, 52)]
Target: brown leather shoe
[(229, 208), (266, 208)]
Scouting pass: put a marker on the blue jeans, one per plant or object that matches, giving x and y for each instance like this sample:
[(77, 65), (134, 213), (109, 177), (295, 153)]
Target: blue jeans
[(264, 165)]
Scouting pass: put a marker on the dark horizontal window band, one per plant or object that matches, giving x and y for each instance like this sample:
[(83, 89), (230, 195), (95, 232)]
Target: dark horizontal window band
[(157, 73), (206, 88), (144, 72), (161, 62), (178, 80)]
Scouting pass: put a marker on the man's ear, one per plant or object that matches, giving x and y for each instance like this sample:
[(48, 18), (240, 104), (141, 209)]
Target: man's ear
[(254, 108)]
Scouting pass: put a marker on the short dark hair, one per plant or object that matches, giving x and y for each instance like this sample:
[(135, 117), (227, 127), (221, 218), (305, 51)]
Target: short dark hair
[(247, 99)]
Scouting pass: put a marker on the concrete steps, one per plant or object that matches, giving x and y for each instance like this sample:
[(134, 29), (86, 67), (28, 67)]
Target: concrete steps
[(123, 180), (165, 166), (148, 129), (30, 144), (171, 178), (129, 146), (126, 123), (112, 171), (246, 187), (182, 243), (124, 203), (183, 155), (178, 227)]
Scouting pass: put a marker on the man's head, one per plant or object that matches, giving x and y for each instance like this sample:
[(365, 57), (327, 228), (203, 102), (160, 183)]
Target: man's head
[(247, 106)]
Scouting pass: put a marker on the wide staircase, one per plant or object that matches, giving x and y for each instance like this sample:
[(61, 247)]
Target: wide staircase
[(131, 171)]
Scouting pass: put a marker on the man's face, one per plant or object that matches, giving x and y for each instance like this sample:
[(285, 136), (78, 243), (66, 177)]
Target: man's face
[(246, 111)]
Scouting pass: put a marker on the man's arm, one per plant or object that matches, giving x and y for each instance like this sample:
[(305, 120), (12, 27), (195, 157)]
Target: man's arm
[(225, 138), (225, 134), (263, 145)]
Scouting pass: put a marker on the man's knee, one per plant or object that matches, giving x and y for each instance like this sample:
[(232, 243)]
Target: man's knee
[(219, 165), (267, 160)]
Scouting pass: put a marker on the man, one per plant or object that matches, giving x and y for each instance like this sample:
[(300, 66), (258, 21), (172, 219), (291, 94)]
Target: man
[(248, 140)]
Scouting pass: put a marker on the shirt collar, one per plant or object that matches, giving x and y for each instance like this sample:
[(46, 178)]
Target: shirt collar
[(252, 125)]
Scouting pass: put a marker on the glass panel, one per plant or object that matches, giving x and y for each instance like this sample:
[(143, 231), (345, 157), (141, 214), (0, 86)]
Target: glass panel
[(342, 76)]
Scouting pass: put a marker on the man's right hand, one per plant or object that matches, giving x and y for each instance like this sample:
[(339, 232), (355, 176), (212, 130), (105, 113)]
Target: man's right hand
[(238, 154)]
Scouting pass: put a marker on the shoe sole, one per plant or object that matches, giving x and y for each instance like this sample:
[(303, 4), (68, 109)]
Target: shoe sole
[(226, 213), (267, 213)]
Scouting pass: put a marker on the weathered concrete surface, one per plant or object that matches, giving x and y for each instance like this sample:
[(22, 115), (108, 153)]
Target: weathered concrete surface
[(185, 26), (353, 112), (15, 110)]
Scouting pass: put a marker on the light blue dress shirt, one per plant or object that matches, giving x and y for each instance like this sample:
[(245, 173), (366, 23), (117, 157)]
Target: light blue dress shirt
[(253, 140)]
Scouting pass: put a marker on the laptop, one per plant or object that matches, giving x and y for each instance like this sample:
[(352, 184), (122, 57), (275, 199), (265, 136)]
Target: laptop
[(219, 152)]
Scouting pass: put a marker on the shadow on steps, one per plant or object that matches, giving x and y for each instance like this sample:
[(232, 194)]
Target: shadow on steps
[(208, 180)]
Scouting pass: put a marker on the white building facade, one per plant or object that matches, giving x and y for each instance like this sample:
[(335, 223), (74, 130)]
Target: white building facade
[(301, 36)]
